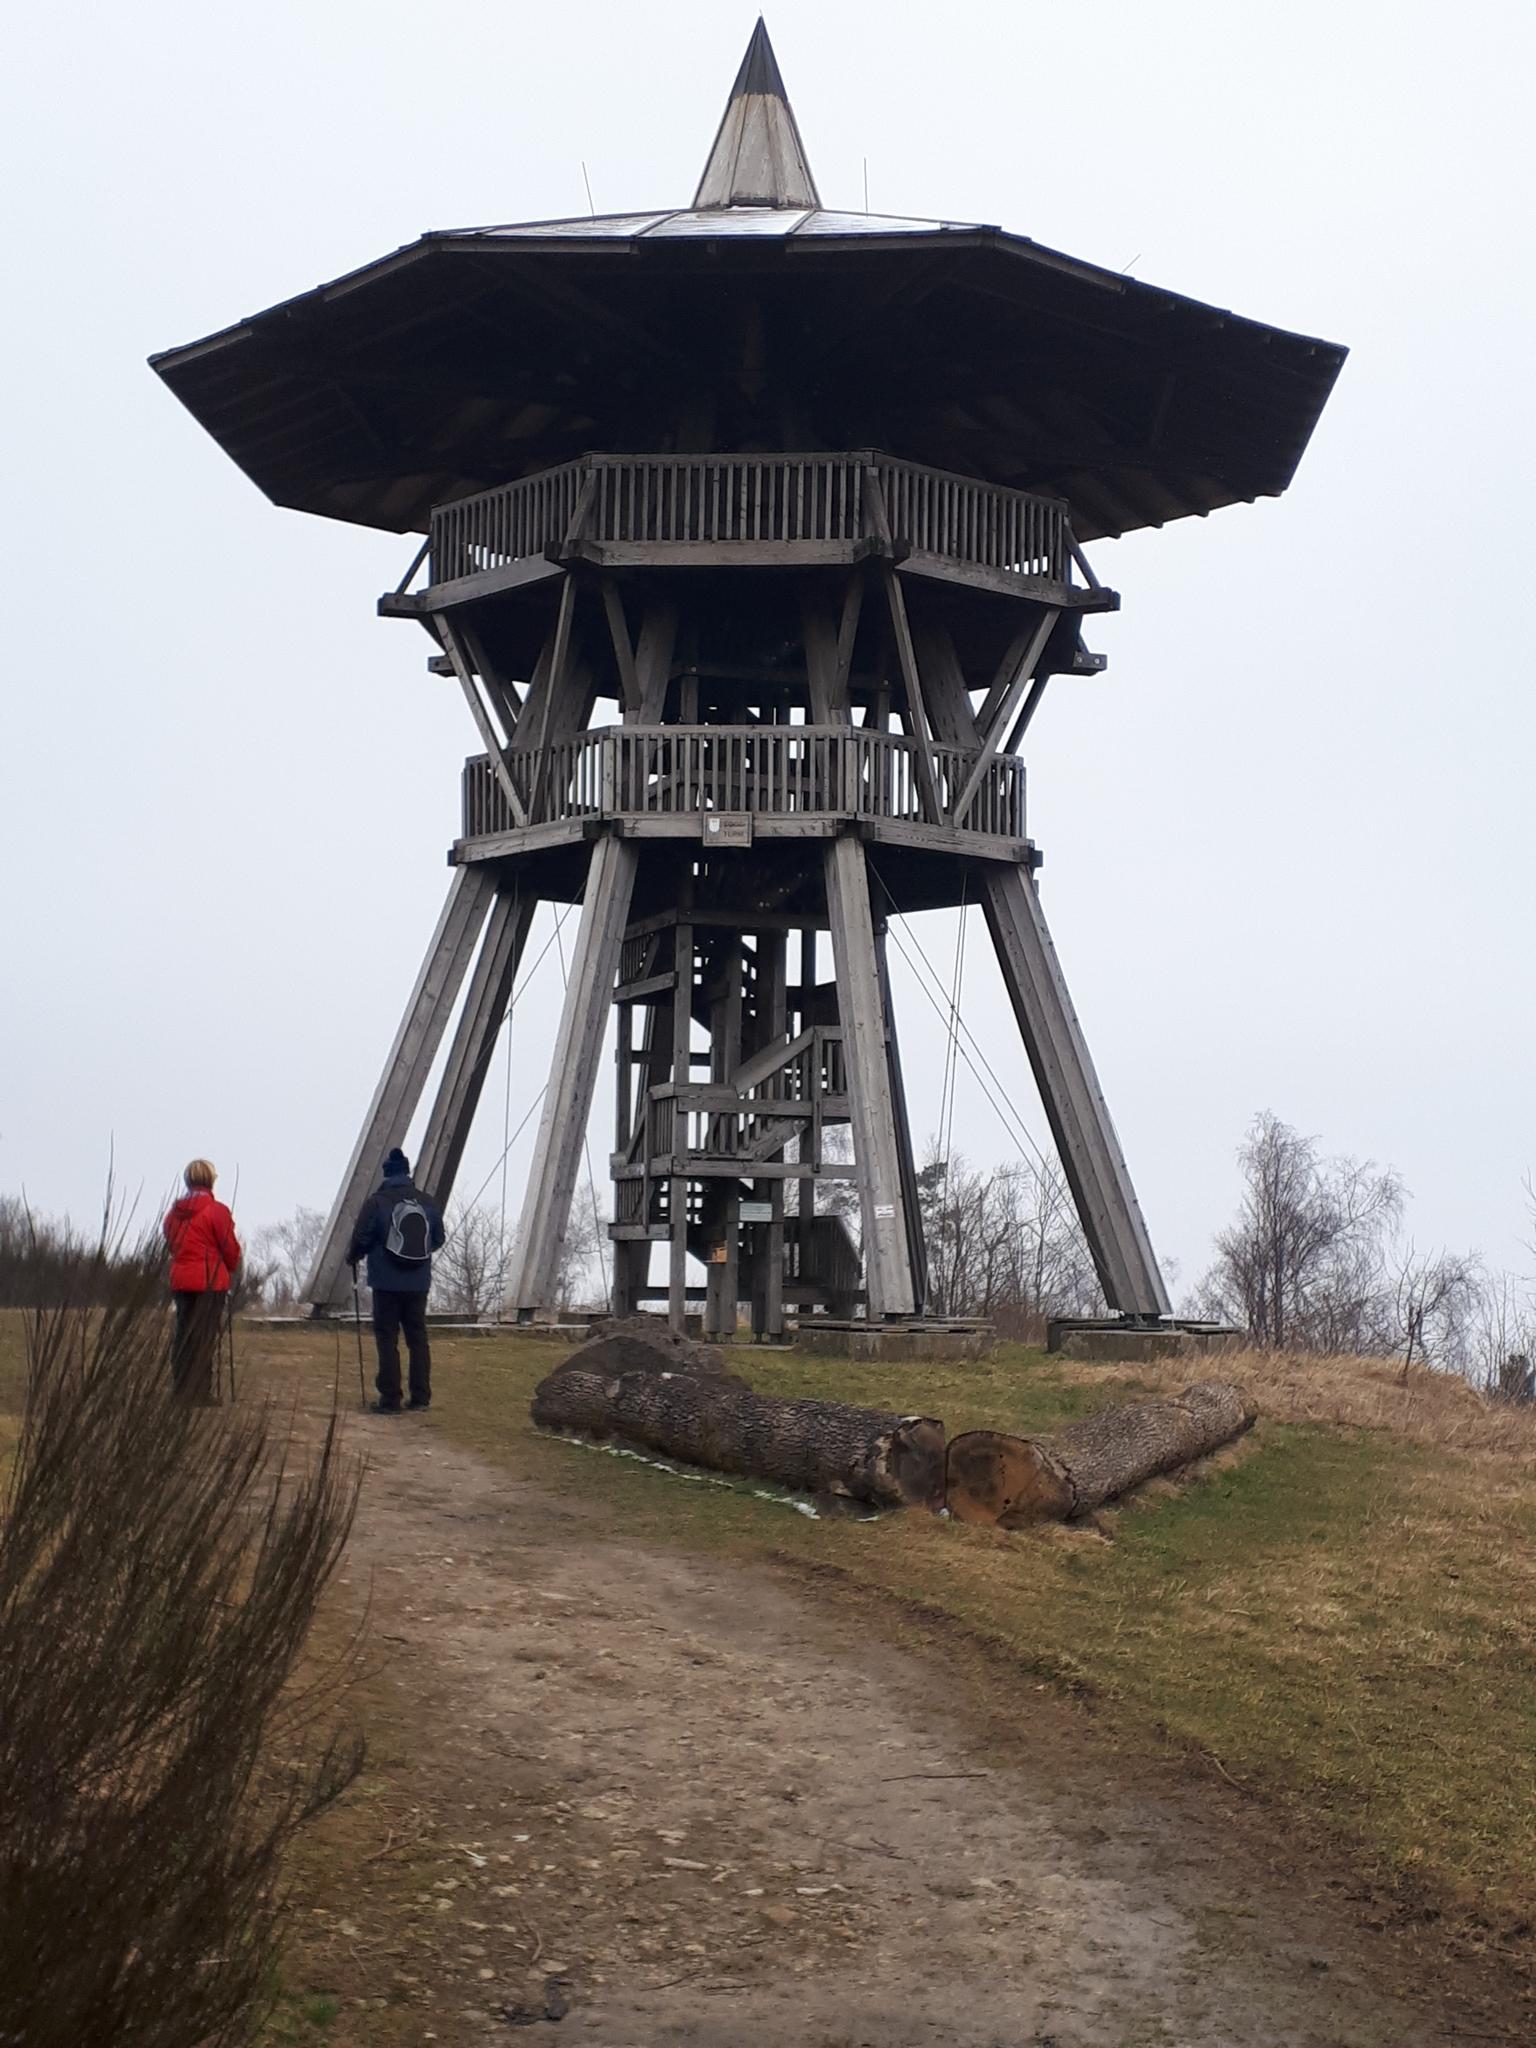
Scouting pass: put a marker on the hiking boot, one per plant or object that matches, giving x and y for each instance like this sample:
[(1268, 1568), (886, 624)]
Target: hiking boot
[(419, 1404), (384, 1408)]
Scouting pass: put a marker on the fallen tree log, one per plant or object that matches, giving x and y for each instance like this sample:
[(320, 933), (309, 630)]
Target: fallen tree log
[(1012, 1481), (713, 1419)]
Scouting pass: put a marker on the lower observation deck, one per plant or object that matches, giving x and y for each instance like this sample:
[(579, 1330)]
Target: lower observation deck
[(729, 785)]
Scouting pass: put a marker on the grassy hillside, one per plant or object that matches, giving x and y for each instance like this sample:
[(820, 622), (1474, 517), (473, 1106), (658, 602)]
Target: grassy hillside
[(1337, 1615)]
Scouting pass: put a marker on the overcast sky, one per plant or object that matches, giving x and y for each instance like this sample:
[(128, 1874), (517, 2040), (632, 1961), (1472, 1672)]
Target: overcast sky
[(1288, 836)]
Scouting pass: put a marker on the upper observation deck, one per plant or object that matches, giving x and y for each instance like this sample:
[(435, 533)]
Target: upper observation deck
[(751, 511)]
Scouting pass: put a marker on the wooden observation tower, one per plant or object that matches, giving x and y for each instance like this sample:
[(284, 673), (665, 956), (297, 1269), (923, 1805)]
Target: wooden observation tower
[(754, 676)]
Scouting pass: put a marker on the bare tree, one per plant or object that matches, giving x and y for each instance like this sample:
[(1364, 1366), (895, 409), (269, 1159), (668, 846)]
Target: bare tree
[(288, 1251), (470, 1273), (585, 1236), (1304, 1265), (1501, 1340), (1004, 1243), (1434, 1298)]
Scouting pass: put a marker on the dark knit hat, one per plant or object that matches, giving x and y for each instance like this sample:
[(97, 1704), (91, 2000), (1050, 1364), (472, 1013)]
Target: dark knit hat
[(396, 1165)]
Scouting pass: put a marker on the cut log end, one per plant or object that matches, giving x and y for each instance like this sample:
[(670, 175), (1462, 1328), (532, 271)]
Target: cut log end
[(1007, 1482), (1011, 1481), (915, 1462)]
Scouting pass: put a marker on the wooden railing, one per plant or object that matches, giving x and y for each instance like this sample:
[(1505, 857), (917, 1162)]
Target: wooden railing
[(937, 513), (509, 524), (712, 1120), (765, 771), (748, 501)]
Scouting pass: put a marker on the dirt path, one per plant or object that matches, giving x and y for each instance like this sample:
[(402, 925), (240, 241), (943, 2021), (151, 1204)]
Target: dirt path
[(674, 1801)]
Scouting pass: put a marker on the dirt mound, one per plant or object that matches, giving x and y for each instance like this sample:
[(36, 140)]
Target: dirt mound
[(647, 1344)]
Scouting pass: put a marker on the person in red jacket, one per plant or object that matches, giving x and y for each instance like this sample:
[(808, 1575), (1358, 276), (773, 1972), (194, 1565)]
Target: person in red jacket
[(205, 1253)]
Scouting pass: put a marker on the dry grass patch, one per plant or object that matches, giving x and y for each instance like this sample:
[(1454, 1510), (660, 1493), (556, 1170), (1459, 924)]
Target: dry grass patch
[(1434, 1408)]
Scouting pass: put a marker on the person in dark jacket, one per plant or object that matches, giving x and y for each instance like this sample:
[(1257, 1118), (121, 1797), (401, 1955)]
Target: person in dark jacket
[(204, 1255), (398, 1231)]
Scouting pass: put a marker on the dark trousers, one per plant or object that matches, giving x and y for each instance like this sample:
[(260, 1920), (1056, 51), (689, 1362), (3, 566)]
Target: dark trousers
[(195, 1346), (395, 1310)]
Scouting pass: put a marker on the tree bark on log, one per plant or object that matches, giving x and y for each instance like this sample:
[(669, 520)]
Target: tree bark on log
[(1012, 1481), (714, 1420)]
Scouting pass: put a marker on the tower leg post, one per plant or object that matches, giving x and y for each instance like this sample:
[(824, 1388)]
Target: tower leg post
[(572, 1076), (1074, 1102), (469, 1056), (405, 1071), (888, 1276)]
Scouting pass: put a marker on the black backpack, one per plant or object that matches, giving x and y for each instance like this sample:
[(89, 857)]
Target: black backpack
[(409, 1237)]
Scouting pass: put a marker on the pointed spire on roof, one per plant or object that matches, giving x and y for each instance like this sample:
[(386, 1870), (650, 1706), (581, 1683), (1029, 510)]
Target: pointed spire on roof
[(758, 158)]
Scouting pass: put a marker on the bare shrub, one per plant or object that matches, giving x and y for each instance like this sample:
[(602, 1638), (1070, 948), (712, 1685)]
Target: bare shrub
[(39, 1255), (160, 1566)]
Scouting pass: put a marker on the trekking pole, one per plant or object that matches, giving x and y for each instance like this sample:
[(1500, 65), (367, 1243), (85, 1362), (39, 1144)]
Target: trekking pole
[(229, 1297), (357, 1324)]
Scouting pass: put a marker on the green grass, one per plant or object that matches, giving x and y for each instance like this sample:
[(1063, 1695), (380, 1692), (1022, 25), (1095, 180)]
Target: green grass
[(300, 2019)]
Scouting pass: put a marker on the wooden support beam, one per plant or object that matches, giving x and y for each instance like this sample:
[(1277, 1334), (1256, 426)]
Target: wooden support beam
[(405, 1072), (653, 659), (486, 1003), (723, 1289), (991, 734), (554, 690), (1058, 1053), (991, 730), (847, 634), (1021, 723), (1074, 1102), (768, 1264), (623, 650), (917, 709), (495, 745), (918, 722), (917, 1249), (889, 1279), (502, 690), (573, 1075), (677, 1191), (1007, 669)]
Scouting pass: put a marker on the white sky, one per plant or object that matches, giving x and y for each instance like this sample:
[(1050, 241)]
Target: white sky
[(1288, 836)]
